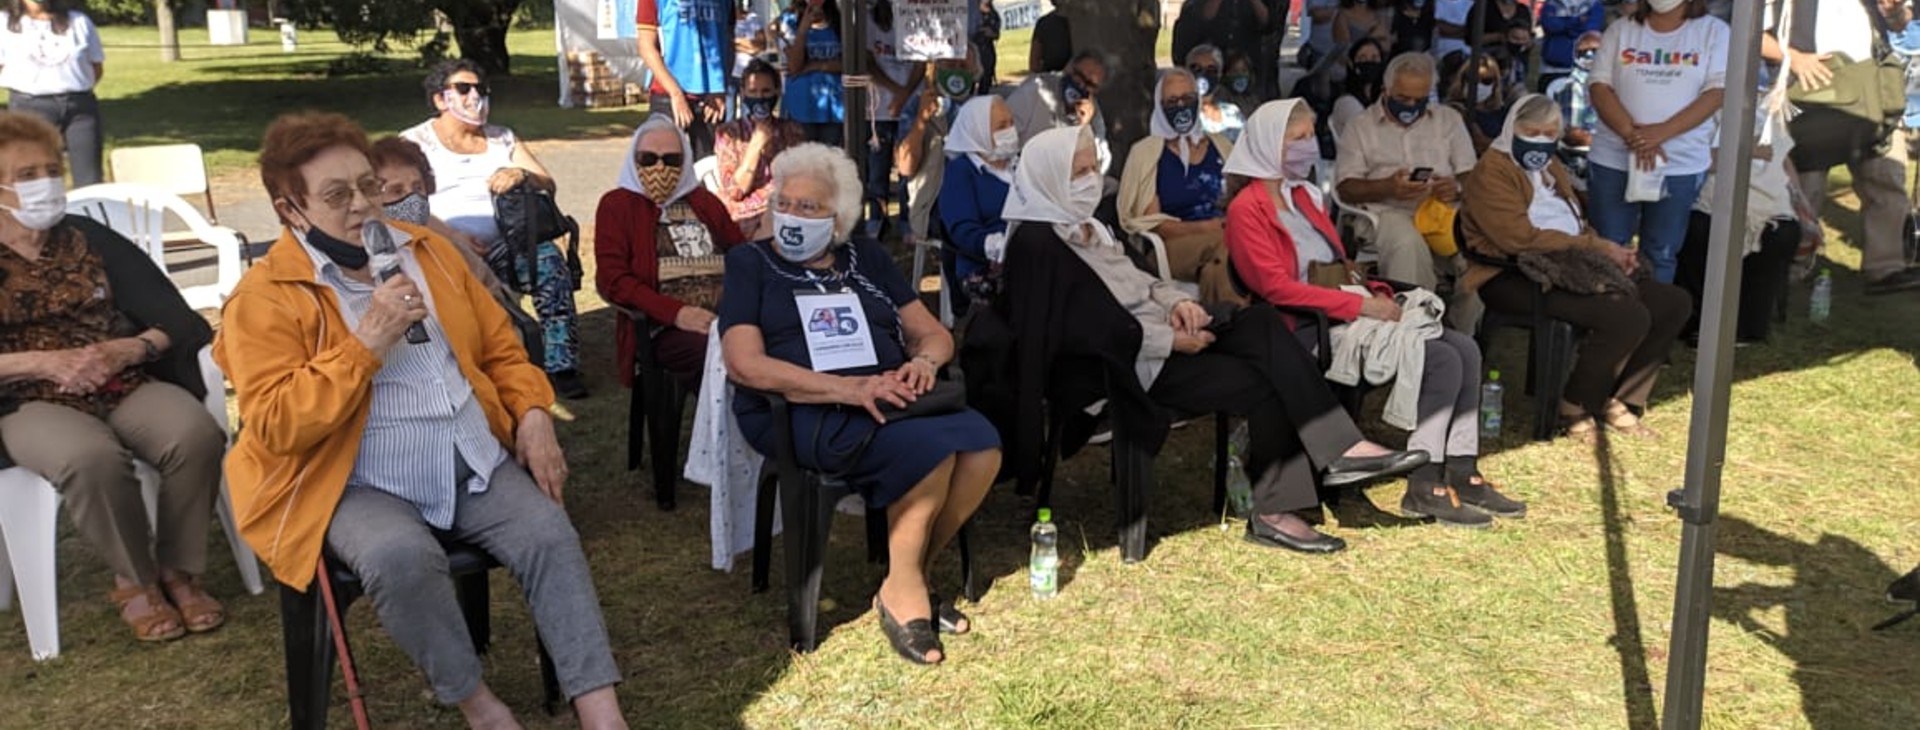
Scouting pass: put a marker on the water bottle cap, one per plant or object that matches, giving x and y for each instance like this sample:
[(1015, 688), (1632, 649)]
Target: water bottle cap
[(1046, 515), (1493, 375)]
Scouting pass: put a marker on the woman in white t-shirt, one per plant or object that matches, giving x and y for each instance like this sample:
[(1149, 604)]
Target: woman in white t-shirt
[(50, 60), (1657, 84), (474, 161)]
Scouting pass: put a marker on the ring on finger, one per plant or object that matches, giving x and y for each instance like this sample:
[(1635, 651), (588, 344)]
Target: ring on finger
[(407, 298)]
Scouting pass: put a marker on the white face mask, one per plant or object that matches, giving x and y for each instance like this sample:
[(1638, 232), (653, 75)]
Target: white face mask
[(456, 105), (1483, 92), (1006, 144), (1083, 196), (1661, 6), (43, 202), (800, 239)]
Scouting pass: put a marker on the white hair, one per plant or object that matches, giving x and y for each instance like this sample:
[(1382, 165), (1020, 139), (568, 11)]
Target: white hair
[(829, 165), (1538, 110), (1412, 64), (1208, 49)]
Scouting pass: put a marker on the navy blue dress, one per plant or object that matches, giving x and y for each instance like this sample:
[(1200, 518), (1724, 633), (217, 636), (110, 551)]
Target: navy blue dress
[(759, 290)]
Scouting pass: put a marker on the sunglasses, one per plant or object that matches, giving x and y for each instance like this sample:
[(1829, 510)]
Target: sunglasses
[(649, 159), (464, 88)]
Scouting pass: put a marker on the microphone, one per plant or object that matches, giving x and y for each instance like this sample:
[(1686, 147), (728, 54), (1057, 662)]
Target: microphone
[(386, 265)]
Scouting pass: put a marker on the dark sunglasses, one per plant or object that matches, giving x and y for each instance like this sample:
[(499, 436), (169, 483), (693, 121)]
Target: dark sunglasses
[(464, 88), (649, 159), (1204, 70)]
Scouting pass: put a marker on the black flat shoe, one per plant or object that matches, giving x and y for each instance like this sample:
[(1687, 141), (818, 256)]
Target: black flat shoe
[(1259, 533), (912, 641), (949, 615), (1350, 469), (568, 384)]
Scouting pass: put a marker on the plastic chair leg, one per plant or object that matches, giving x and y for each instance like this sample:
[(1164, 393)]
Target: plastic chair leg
[(1220, 424), (29, 508), (967, 587), (636, 422), (805, 538), (1132, 475), (663, 427), (876, 536), (305, 632), (471, 591), (550, 698), (243, 557), (763, 531)]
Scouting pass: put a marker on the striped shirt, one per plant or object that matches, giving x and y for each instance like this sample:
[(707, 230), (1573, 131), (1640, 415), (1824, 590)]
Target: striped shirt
[(423, 416)]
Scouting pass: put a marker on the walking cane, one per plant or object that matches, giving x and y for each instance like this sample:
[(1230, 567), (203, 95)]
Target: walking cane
[(354, 699)]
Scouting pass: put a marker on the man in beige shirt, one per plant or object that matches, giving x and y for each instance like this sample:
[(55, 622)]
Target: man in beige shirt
[(1396, 154)]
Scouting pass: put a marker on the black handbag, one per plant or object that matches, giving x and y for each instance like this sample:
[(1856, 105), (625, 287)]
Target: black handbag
[(946, 397), (526, 216)]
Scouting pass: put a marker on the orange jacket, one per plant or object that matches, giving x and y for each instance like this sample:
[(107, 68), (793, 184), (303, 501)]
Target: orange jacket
[(304, 385)]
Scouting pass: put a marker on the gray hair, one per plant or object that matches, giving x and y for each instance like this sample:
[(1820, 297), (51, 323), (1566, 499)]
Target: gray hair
[(1208, 49), (1413, 64), (1169, 73), (1538, 110), (828, 165)]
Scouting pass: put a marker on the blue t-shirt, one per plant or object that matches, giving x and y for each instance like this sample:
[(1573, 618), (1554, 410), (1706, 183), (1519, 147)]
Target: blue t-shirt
[(815, 97), (759, 290), (696, 41), (1907, 43), (1191, 192)]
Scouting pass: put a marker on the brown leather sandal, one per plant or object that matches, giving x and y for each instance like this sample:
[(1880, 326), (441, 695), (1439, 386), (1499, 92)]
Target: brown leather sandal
[(1621, 418), (1579, 425), (151, 620), (201, 612)]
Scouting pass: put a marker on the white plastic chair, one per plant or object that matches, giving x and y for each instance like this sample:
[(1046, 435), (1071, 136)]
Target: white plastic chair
[(707, 171), (1158, 246), (140, 212), (29, 520)]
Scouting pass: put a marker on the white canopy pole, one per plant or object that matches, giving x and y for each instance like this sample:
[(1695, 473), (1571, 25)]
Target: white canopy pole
[(1699, 503)]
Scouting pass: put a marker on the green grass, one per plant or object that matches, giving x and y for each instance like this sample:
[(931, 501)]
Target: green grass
[(1559, 620)]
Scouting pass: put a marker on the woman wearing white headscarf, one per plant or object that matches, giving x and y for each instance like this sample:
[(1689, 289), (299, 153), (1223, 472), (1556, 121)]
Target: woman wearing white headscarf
[(1189, 363), (975, 189), (1277, 230), (1172, 187), (660, 241), (1520, 201)]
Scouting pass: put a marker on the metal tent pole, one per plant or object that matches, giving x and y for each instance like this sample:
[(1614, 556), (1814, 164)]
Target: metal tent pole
[(857, 93), (1476, 20), (1698, 504)]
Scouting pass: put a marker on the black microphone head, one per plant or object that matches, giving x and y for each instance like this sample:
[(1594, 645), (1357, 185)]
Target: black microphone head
[(378, 241)]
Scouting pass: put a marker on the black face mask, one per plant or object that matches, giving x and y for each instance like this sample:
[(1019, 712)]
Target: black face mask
[(345, 255)]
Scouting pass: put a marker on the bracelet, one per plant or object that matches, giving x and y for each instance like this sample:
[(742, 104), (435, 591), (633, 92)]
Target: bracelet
[(152, 353)]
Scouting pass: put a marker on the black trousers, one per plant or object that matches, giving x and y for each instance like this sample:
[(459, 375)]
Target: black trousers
[(1627, 340), (1294, 423), (1763, 274)]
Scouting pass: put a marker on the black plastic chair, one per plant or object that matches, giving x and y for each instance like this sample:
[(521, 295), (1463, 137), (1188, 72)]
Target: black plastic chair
[(807, 501), (307, 632), (1550, 351), (654, 407)]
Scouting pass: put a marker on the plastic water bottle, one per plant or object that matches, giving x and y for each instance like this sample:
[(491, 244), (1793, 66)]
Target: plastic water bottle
[(1822, 298), (1239, 489), (1043, 570), (1490, 405)]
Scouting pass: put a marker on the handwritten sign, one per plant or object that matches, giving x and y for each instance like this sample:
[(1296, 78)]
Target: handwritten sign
[(931, 30)]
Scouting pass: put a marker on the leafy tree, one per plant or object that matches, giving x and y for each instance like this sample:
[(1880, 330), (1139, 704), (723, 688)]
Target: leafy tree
[(478, 26)]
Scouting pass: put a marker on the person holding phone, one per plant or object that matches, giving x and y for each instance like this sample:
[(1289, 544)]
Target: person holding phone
[(1381, 152)]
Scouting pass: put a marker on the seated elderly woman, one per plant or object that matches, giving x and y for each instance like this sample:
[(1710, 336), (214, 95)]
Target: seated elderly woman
[(745, 147), (659, 239), (99, 365), (1172, 187), (1248, 365), (1278, 230), (473, 161), (406, 182), (981, 151), (373, 450), (1523, 205), (833, 327)]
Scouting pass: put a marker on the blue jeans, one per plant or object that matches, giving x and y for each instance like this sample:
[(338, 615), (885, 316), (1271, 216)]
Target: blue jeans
[(1661, 226)]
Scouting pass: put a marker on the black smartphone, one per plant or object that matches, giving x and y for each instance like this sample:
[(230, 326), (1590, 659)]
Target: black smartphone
[(1421, 174)]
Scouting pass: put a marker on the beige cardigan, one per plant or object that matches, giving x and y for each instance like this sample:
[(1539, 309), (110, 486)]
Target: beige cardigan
[(1138, 189)]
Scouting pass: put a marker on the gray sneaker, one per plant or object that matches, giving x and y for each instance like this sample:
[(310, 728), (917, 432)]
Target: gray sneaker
[(1903, 280)]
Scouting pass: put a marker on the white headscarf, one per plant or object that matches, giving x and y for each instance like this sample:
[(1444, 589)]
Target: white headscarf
[(1262, 151), (630, 175), (1161, 128), (972, 134), (1504, 142), (1041, 183)]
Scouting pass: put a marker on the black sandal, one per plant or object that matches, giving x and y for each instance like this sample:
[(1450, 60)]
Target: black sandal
[(949, 615), (912, 641)]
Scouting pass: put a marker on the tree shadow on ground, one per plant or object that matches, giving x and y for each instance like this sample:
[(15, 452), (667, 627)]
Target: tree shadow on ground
[(1849, 675)]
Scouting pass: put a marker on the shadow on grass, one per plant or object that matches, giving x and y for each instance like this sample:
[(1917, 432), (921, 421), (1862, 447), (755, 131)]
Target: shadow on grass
[(1849, 675), (1636, 686)]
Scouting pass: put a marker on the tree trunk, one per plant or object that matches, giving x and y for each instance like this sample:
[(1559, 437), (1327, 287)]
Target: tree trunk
[(480, 28), (1126, 31), (169, 35)]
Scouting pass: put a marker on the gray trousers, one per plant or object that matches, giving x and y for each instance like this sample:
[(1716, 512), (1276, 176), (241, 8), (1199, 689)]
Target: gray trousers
[(1449, 410), (1881, 184), (90, 461), (400, 561)]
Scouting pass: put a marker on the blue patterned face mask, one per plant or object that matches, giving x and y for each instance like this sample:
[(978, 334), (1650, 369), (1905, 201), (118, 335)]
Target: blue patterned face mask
[(411, 209), (1534, 153), (1182, 117)]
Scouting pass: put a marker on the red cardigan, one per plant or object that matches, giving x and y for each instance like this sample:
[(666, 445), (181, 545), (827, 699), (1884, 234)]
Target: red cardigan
[(627, 258), (1266, 260)]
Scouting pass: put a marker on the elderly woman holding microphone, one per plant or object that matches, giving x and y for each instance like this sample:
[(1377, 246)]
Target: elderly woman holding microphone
[(390, 406)]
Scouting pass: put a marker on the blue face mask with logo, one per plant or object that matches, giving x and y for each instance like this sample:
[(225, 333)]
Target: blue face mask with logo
[(1533, 154), (1071, 91), (760, 107), (1182, 117), (1406, 113), (1239, 83)]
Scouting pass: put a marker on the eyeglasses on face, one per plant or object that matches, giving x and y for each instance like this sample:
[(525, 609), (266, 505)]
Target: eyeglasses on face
[(339, 196), (464, 88), (803, 208), (649, 159)]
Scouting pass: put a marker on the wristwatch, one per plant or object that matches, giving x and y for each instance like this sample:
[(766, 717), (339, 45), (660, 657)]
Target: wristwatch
[(152, 352)]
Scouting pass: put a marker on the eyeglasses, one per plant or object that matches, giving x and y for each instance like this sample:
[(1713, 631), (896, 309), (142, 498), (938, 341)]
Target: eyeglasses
[(649, 159), (805, 208), (338, 197), (464, 88), (396, 191)]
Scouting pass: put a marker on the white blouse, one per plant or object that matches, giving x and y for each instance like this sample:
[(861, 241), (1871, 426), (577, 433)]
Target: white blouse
[(40, 62)]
